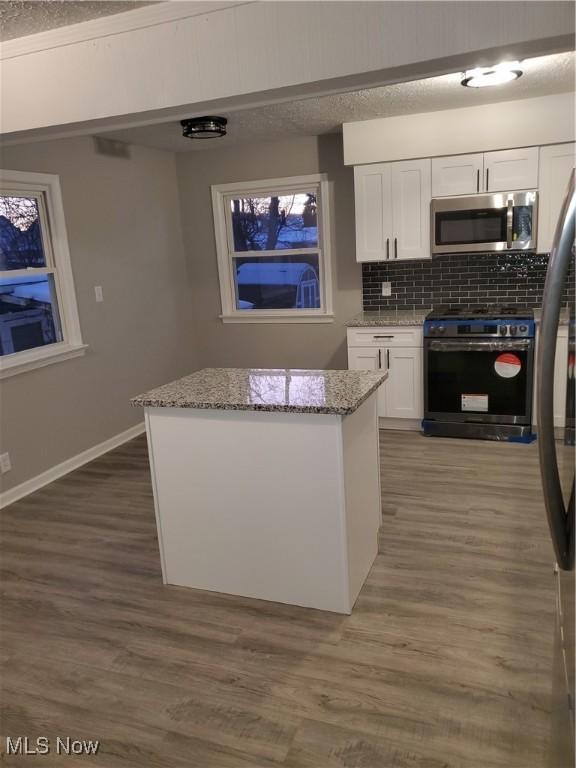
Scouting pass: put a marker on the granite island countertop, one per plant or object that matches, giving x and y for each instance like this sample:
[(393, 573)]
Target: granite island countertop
[(257, 389), (389, 317)]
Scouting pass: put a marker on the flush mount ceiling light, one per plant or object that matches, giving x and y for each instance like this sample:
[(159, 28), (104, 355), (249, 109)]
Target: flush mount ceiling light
[(204, 127), (496, 75)]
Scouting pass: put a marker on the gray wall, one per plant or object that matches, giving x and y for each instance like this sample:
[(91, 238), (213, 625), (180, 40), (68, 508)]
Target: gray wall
[(274, 345), (123, 222)]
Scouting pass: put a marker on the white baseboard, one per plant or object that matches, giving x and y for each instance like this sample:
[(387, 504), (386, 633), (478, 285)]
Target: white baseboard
[(29, 486), (403, 424)]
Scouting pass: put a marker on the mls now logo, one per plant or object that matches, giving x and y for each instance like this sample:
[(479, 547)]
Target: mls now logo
[(23, 745)]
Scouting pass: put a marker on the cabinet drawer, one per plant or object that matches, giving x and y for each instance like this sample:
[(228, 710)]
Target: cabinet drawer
[(389, 336)]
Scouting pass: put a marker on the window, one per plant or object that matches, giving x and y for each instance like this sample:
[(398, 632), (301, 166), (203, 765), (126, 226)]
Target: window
[(272, 240), (38, 315)]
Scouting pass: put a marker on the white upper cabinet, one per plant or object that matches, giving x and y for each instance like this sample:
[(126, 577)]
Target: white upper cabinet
[(372, 196), (457, 175), (511, 169), (411, 195), (556, 164), (503, 171), (393, 210)]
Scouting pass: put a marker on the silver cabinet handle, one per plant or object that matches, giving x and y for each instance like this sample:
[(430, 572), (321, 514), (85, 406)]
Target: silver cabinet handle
[(382, 337), (388, 359), (395, 247), (379, 358), (478, 180), (509, 223), (487, 172), (387, 248), (559, 519)]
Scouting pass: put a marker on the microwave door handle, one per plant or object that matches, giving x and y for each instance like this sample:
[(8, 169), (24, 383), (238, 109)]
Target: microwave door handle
[(509, 223), (561, 527)]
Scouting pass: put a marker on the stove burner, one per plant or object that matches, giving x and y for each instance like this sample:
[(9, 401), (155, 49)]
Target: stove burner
[(445, 311)]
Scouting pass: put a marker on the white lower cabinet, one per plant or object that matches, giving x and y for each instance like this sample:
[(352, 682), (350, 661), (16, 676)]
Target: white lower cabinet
[(404, 386), (560, 377), (400, 398)]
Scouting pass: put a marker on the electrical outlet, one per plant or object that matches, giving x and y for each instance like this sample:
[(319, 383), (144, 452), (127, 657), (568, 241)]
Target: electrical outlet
[(386, 289), (5, 465), (98, 293)]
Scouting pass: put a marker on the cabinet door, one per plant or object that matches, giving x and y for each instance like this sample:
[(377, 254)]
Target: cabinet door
[(373, 197), (411, 195), (556, 163), (457, 175), (560, 377), (370, 359), (511, 169), (404, 388)]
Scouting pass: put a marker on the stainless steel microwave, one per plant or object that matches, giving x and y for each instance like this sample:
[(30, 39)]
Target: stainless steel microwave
[(501, 221)]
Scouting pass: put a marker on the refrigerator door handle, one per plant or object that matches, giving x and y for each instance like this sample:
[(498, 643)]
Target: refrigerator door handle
[(558, 266)]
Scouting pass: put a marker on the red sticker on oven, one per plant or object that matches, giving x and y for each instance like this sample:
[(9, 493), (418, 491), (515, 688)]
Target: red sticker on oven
[(507, 365)]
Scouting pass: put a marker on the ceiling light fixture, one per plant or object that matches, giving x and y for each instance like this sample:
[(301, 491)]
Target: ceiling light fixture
[(496, 75), (204, 127)]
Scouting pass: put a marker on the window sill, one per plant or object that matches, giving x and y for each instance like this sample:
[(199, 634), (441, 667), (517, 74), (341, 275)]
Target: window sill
[(300, 318), (38, 358)]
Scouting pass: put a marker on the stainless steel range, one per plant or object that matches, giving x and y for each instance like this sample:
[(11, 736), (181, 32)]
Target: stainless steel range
[(478, 372)]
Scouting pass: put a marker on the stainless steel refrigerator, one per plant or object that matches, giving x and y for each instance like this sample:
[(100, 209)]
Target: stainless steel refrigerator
[(557, 456)]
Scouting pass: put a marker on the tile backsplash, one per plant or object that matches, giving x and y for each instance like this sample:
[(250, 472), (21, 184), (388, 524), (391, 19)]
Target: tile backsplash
[(464, 278)]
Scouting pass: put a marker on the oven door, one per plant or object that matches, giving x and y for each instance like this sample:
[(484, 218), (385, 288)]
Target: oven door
[(500, 222), (479, 381)]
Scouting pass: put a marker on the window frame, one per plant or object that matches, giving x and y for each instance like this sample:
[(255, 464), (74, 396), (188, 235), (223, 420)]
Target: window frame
[(221, 196), (45, 187)]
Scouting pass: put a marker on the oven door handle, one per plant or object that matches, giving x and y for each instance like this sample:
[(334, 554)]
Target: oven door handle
[(446, 345)]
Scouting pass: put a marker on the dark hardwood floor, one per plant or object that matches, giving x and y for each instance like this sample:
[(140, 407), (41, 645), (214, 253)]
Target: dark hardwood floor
[(444, 663)]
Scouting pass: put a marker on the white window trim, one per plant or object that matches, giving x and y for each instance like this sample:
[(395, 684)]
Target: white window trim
[(220, 194), (57, 242)]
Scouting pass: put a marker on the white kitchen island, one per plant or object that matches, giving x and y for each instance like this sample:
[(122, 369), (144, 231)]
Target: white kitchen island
[(266, 482)]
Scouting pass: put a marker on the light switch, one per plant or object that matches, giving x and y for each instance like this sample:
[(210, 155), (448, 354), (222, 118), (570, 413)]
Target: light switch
[(386, 289), (98, 293)]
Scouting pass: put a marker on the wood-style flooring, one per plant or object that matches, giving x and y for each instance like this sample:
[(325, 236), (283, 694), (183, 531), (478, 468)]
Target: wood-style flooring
[(444, 663)]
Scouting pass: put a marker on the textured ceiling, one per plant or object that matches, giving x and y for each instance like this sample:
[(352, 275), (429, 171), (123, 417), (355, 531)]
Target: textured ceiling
[(315, 116), (19, 18)]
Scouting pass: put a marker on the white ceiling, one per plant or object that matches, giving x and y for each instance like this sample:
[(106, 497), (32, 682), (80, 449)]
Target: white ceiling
[(320, 115), (19, 18)]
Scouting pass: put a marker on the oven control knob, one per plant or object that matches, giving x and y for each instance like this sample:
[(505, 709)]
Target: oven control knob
[(441, 329), (523, 329), (432, 330), (502, 330), (513, 330)]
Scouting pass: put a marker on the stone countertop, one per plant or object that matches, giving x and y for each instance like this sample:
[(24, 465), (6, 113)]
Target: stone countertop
[(257, 389), (417, 316), (389, 317), (564, 316)]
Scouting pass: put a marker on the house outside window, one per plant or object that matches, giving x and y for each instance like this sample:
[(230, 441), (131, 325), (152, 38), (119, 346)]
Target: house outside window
[(38, 314), (273, 246)]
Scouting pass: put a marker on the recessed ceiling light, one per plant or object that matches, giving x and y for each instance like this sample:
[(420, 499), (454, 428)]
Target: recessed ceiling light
[(204, 127), (496, 75)]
